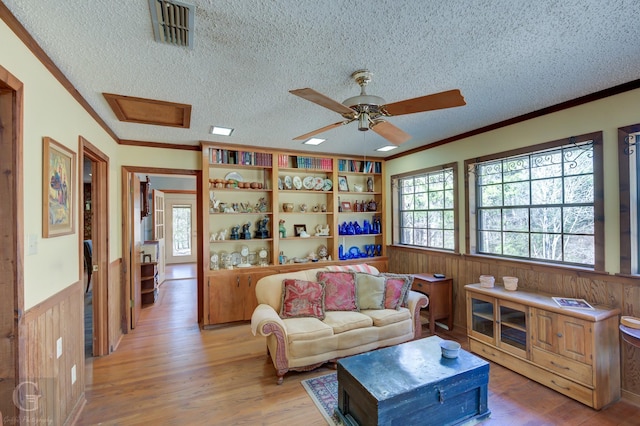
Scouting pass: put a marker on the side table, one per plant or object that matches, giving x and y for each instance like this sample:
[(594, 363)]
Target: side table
[(439, 291)]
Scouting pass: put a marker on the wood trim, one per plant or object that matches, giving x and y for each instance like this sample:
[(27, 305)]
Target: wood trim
[(131, 109), (616, 90), (35, 311), (41, 55), (624, 177), (149, 144), (14, 369)]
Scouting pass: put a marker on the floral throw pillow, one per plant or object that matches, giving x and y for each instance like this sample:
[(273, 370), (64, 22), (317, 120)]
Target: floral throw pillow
[(395, 290), (302, 299), (394, 280), (339, 290)]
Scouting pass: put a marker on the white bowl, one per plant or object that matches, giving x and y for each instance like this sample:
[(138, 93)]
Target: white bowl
[(450, 349), (510, 283), (487, 281)]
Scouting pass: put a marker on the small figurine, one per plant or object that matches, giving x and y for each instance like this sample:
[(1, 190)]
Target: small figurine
[(282, 229), (222, 235), (212, 237), (303, 208), (369, 184), (246, 233), (322, 252), (235, 232), (322, 230), (263, 230)]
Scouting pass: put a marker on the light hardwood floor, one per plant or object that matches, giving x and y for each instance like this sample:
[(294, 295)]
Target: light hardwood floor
[(169, 372)]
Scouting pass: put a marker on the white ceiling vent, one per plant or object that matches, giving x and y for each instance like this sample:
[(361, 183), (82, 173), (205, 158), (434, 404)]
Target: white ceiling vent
[(172, 22)]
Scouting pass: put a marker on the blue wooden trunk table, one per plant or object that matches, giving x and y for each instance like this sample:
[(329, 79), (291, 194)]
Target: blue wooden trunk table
[(412, 384)]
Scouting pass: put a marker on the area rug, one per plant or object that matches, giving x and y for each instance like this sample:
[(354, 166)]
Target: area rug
[(323, 391)]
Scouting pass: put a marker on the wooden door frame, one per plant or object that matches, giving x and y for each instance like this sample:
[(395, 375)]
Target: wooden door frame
[(100, 240), (12, 237), (126, 172)]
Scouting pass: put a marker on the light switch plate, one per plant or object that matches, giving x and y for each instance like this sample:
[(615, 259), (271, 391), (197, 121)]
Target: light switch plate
[(59, 347), (73, 374)]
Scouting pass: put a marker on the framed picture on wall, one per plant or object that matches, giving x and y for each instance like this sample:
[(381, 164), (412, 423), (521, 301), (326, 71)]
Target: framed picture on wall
[(58, 188), (299, 229)]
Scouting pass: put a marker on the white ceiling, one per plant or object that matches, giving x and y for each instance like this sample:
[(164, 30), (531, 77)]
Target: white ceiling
[(507, 57)]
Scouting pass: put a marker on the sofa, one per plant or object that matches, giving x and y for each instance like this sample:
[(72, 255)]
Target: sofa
[(315, 316)]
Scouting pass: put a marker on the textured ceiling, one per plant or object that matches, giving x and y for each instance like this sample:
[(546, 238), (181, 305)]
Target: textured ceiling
[(508, 58)]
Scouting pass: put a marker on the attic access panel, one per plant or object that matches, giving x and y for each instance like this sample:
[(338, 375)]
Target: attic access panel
[(149, 111)]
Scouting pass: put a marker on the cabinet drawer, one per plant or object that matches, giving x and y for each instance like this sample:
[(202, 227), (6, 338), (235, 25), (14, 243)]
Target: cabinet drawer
[(575, 370), (565, 386)]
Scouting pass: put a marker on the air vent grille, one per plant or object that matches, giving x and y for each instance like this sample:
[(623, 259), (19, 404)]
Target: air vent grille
[(172, 22)]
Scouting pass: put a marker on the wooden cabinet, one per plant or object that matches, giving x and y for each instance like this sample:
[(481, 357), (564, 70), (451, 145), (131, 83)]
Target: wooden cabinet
[(149, 282), (232, 295), (575, 352), (248, 194)]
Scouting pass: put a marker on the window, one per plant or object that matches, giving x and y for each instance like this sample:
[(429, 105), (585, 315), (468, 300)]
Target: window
[(629, 174), (425, 205), (543, 204), (181, 230)]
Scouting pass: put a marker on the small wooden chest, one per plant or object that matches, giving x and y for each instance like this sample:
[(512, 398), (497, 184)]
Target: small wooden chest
[(412, 384)]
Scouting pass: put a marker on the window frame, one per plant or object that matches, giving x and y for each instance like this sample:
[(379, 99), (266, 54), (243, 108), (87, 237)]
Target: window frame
[(598, 204), (629, 247), (395, 207)]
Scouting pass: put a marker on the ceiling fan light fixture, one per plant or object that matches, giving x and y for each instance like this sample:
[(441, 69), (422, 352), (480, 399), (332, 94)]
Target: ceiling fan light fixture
[(314, 141), (363, 122), (221, 131)]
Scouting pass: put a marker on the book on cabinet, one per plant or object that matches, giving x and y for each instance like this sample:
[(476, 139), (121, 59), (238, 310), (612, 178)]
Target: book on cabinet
[(251, 195)]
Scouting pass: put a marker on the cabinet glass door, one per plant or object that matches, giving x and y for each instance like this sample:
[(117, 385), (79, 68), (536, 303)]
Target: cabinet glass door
[(513, 328), (482, 318)]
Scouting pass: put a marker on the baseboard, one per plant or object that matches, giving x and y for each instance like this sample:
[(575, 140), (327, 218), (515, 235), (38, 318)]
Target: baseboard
[(77, 410), (631, 397)]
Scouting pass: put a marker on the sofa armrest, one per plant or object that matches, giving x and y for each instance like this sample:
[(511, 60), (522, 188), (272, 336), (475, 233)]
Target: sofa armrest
[(417, 301), (264, 315)]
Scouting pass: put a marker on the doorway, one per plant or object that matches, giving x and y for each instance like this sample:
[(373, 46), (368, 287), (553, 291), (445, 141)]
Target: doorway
[(93, 238), (129, 174), (180, 210)]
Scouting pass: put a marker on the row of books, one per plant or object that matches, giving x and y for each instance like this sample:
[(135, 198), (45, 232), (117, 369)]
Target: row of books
[(299, 162), (359, 166), (245, 158)]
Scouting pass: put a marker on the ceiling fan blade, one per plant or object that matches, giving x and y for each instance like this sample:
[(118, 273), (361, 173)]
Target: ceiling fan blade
[(325, 101), (393, 134), (448, 99), (322, 129)]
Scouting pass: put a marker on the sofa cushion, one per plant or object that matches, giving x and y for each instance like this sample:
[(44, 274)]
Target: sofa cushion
[(302, 298), (408, 279), (396, 289), (382, 317), (339, 290), (345, 321), (306, 329), (370, 291), (355, 268)]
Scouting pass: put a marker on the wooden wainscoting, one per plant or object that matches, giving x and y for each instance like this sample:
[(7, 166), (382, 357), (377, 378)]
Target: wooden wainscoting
[(600, 288), (60, 316), (115, 304)]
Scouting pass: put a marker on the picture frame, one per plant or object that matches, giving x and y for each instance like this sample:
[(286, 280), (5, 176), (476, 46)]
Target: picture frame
[(298, 229), (570, 302), (58, 189), (343, 185), (346, 206)]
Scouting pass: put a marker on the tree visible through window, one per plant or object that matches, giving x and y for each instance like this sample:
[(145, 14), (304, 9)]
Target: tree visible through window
[(426, 209), (538, 206), (181, 230)]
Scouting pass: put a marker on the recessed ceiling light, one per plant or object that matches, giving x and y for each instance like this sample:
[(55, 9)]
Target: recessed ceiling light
[(222, 131), (386, 148), (314, 141)]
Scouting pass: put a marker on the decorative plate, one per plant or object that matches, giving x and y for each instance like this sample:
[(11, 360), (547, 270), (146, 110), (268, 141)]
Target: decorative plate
[(234, 176), (280, 186), (235, 258), (318, 183), (327, 185), (287, 182), (308, 182), (297, 182)]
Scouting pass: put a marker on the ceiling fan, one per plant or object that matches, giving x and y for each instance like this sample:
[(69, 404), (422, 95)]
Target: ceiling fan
[(369, 110)]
